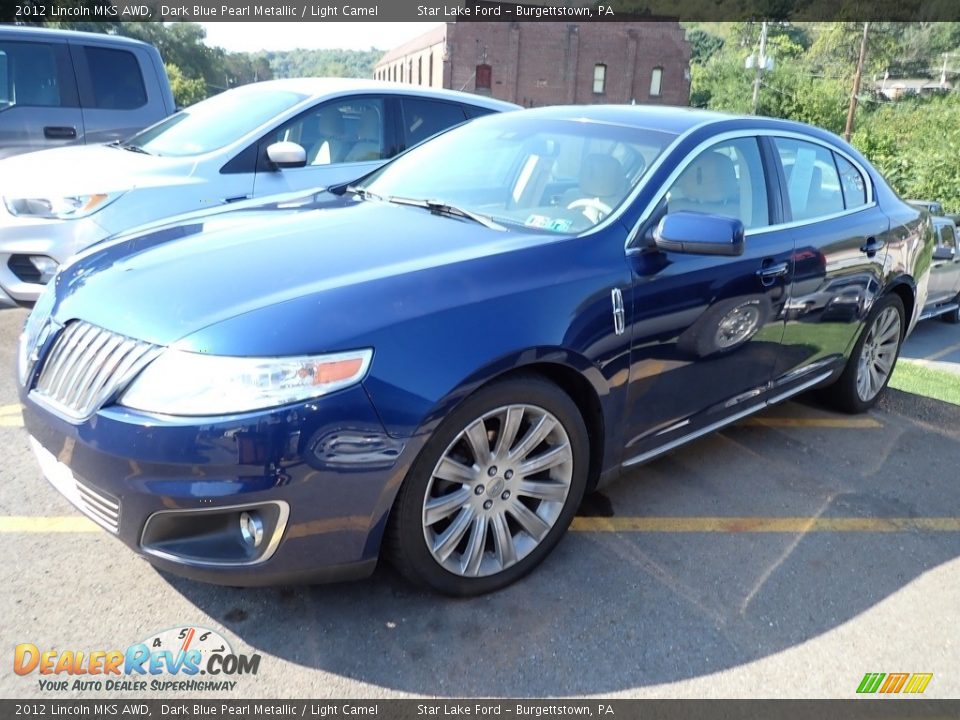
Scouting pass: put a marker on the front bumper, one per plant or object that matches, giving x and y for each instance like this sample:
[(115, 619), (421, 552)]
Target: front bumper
[(56, 239), (329, 465)]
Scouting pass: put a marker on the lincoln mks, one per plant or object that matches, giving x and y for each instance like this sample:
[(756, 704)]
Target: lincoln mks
[(435, 363)]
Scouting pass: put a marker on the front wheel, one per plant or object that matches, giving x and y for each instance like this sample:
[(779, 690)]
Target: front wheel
[(873, 358), (493, 491)]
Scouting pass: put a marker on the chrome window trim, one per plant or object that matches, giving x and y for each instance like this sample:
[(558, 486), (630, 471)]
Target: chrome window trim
[(756, 133)]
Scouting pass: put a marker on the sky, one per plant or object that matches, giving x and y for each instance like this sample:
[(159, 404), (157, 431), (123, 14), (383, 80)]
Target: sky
[(251, 36)]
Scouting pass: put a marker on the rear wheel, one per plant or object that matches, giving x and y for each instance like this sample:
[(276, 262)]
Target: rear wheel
[(873, 358), (493, 491)]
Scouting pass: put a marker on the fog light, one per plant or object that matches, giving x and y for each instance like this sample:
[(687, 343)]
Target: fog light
[(46, 266), (251, 528)]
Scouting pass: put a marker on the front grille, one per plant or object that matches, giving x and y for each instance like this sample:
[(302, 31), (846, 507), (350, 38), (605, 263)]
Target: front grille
[(87, 367), (103, 509)]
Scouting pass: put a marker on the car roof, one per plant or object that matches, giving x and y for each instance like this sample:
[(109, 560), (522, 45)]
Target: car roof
[(17, 32), (668, 118), (317, 87)]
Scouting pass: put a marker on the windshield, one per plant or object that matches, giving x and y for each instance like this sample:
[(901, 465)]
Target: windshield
[(561, 176), (215, 122)]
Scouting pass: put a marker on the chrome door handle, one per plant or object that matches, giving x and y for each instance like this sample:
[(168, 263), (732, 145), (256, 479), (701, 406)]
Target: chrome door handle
[(770, 273)]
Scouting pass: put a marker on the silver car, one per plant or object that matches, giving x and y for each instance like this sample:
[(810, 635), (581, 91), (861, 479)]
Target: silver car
[(257, 140)]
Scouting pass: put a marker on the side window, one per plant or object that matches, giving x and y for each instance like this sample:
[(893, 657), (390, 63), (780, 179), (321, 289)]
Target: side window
[(852, 182), (948, 236), (475, 111), (813, 185), (30, 75), (341, 131), (726, 179), (423, 118), (117, 81)]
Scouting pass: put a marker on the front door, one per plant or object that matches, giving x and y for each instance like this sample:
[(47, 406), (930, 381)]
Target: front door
[(344, 139), (708, 329)]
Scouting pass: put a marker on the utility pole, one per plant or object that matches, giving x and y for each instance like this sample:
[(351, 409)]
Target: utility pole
[(761, 62), (848, 130)]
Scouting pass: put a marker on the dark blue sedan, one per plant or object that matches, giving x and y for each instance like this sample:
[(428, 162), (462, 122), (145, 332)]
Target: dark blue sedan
[(437, 364)]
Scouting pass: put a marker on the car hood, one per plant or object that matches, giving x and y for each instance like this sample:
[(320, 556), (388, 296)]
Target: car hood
[(167, 284), (88, 169)]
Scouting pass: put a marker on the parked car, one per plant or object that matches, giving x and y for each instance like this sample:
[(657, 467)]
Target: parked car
[(943, 296), (439, 362), (59, 87), (252, 141), (934, 207)]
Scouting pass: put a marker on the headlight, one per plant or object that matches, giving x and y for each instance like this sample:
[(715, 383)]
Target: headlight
[(187, 383), (60, 208), (30, 337)]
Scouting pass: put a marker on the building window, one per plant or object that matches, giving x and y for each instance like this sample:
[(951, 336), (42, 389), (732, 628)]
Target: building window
[(430, 76), (656, 80), (419, 71), (599, 78)]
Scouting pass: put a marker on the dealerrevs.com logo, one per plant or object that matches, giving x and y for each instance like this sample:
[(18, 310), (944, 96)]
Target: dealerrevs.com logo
[(190, 659), (894, 683)]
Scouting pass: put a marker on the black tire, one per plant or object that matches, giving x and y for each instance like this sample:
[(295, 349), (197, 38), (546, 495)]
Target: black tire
[(843, 393), (702, 338), (406, 544)]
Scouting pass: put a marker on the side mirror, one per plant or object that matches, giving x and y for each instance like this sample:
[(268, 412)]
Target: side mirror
[(699, 234), (944, 253), (286, 154)]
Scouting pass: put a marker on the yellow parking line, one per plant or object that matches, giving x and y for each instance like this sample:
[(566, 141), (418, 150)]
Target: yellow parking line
[(762, 524), (79, 524), (10, 416), (824, 422), (29, 524)]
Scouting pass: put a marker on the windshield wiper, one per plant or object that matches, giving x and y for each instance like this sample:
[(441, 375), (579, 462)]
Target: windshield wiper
[(362, 192), (442, 208), (134, 148)]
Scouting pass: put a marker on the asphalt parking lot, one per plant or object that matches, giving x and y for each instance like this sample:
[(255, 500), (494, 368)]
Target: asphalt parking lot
[(786, 556)]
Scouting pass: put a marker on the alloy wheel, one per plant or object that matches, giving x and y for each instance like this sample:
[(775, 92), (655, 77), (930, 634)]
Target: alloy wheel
[(878, 354), (497, 490)]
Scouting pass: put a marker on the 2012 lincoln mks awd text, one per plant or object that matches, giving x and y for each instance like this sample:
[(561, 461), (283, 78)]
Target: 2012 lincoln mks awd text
[(438, 362)]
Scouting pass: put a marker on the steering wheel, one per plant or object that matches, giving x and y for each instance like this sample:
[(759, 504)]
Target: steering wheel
[(592, 208)]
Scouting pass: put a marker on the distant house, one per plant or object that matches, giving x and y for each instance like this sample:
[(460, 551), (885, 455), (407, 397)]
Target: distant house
[(549, 63), (896, 88)]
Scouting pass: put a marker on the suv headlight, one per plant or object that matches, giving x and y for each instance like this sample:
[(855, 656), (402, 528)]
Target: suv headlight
[(70, 207), (188, 383)]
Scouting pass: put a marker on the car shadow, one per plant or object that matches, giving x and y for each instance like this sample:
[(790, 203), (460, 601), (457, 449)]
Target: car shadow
[(610, 611)]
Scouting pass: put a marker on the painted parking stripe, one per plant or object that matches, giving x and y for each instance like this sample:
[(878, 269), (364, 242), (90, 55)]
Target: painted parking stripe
[(732, 525), (942, 353), (762, 524), (63, 524), (823, 422), (10, 416)]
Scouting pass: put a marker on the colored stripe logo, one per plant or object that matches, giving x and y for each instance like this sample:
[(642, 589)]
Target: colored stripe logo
[(894, 683)]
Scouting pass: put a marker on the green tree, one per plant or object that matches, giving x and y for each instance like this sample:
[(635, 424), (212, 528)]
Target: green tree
[(186, 91)]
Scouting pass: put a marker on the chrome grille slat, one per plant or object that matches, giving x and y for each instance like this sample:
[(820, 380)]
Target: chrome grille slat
[(87, 367), (105, 500), (98, 505)]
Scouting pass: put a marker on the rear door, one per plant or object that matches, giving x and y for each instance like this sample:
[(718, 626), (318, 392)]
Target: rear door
[(39, 106), (840, 234), (115, 99), (423, 118)]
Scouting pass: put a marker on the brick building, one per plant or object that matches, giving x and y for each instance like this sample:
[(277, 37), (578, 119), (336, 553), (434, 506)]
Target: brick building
[(549, 63)]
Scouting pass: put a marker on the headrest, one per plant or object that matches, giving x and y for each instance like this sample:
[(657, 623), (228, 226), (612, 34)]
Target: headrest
[(710, 178), (602, 176)]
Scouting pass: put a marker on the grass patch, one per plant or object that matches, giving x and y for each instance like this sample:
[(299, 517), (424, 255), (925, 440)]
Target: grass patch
[(915, 378)]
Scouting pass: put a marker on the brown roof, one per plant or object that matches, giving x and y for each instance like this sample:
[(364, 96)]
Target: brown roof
[(421, 42)]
